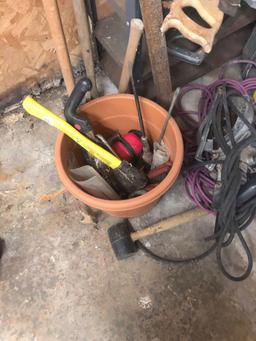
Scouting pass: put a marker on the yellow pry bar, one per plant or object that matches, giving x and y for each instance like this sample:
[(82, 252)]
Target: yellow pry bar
[(39, 111)]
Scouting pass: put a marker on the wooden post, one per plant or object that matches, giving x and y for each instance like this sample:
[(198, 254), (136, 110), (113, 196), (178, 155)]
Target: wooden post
[(54, 21), (85, 39), (152, 18)]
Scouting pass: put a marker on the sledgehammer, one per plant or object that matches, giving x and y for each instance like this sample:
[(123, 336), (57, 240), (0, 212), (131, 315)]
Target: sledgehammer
[(123, 238)]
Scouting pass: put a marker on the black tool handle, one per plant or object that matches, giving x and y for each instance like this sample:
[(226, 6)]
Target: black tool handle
[(137, 102), (75, 99), (190, 57), (183, 54)]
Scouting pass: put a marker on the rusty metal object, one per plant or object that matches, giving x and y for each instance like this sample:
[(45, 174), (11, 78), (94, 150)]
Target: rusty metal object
[(209, 12), (152, 16)]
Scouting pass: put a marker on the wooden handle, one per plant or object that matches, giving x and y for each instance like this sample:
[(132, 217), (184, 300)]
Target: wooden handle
[(169, 223), (85, 39), (136, 30), (54, 21)]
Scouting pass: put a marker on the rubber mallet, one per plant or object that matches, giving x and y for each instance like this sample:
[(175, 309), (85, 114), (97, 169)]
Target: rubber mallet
[(123, 238)]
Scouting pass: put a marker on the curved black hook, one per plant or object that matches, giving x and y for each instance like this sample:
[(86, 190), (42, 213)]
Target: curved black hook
[(80, 123)]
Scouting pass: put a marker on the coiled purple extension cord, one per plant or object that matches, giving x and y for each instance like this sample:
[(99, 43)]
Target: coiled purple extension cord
[(199, 184)]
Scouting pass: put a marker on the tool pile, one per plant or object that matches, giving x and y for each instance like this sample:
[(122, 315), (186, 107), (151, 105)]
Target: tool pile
[(119, 167), (219, 170), (220, 149)]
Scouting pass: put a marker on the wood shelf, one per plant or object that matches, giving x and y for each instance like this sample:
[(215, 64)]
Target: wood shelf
[(113, 36), (112, 33), (119, 8)]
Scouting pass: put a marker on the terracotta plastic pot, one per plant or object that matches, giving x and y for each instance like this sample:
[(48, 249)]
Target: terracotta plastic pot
[(118, 113)]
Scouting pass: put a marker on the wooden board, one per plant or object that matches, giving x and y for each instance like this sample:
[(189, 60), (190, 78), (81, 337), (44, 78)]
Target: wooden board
[(113, 35), (27, 53), (106, 8)]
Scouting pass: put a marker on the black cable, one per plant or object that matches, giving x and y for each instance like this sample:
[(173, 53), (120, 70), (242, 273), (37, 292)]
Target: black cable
[(231, 220), (176, 260)]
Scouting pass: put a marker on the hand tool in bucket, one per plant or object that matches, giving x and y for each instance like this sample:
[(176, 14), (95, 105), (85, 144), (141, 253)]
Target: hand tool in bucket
[(73, 102), (160, 152), (124, 239), (82, 124), (146, 154), (87, 177), (129, 177), (134, 146)]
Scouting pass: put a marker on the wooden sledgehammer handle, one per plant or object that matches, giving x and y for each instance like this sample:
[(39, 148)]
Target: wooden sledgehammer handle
[(54, 21), (136, 30), (169, 223)]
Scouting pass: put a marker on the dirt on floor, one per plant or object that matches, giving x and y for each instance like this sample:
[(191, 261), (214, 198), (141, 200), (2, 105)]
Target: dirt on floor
[(61, 281)]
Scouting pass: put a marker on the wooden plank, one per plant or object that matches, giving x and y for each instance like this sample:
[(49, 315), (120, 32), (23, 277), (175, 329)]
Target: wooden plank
[(111, 68), (103, 8), (113, 35), (152, 18), (27, 49), (106, 8), (119, 8)]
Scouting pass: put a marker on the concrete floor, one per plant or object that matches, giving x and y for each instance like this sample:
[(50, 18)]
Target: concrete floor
[(61, 281)]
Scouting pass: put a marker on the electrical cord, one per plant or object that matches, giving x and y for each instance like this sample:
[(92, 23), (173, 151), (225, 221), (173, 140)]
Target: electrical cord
[(231, 219), (197, 186)]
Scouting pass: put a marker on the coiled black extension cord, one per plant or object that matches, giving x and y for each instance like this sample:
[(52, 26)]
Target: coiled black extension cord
[(231, 219)]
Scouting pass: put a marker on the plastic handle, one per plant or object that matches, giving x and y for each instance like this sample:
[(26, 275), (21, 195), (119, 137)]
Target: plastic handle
[(39, 111), (183, 54), (72, 104), (190, 57)]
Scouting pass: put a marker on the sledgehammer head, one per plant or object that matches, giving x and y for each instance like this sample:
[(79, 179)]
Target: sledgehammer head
[(121, 241)]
